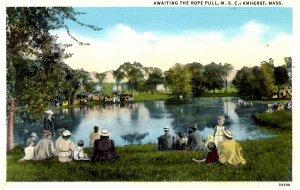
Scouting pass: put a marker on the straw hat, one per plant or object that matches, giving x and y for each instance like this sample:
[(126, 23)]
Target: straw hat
[(66, 133), (228, 134), (105, 133), (49, 112), (33, 135), (166, 129)]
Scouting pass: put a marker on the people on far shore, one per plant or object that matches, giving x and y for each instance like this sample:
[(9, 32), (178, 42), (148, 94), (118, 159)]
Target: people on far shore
[(104, 148), (230, 151), (44, 149), (165, 142)]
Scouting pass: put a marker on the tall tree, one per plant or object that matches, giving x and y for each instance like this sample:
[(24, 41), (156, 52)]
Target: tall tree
[(213, 75), (155, 77), (118, 76), (226, 69), (133, 73), (32, 48), (178, 79), (281, 78), (197, 78)]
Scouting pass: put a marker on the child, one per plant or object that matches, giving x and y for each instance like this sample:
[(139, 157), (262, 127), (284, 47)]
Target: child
[(219, 130), (212, 156), (79, 155)]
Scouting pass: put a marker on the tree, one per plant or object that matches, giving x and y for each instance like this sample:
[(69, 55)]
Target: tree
[(226, 69), (197, 78), (281, 78), (267, 79), (178, 79), (213, 75), (155, 77), (118, 76), (31, 48), (133, 73)]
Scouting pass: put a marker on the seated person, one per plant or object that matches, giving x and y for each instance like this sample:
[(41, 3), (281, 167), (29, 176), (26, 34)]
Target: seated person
[(180, 142), (229, 151), (104, 148), (79, 154), (65, 148), (212, 156), (45, 148), (29, 149), (94, 135), (165, 142), (194, 140)]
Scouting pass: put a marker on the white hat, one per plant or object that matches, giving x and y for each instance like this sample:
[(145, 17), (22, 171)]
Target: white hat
[(66, 133), (33, 135), (166, 129), (104, 132), (49, 112), (228, 133)]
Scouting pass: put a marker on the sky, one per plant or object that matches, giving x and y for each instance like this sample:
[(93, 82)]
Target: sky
[(163, 36)]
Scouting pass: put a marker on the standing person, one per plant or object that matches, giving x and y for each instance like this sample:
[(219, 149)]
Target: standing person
[(66, 148), (219, 130), (29, 147), (165, 142), (59, 139), (79, 154), (45, 148), (229, 151), (104, 148), (48, 122), (212, 156), (93, 136), (194, 139)]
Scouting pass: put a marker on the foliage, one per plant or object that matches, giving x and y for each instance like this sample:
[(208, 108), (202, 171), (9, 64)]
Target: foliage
[(35, 73), (197, 80), (213, 75), (155, 77), (178, 79)]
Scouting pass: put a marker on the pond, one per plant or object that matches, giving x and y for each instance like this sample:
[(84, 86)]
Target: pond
[(143, 122)]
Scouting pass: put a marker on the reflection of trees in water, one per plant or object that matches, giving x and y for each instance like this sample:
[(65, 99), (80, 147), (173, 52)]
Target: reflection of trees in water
[(134, 114), (134, 138), (201, 112), (155, 109)]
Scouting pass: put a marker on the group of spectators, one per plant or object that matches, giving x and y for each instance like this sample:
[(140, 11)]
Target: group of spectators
[(221, 146), (279, 107)]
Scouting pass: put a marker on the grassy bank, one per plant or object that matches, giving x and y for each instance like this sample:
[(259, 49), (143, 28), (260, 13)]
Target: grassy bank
[(279, 119), (267, 160)]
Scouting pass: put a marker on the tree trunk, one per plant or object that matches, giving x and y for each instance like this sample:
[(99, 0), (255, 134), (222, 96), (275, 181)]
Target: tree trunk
[(10, 126)]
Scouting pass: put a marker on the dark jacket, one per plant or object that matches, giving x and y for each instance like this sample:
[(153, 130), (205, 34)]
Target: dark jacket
[(104, 150), (48, 125)]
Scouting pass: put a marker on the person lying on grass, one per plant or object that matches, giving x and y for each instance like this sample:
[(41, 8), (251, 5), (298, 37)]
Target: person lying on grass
[(212, 156)]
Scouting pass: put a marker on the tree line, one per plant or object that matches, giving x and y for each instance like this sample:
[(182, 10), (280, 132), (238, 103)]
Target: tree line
[(264, 81)]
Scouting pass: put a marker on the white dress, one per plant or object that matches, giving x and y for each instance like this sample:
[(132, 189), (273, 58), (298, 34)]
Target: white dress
[(219, 134)]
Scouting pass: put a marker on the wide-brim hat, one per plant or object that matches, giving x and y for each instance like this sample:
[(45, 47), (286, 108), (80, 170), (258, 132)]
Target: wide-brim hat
[(194, 126), (228, 134), (166, 129), (33, 135), (105, 133), (49, 112), (66, 133)]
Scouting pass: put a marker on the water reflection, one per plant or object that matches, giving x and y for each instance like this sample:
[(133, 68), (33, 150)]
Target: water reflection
[(142, 123)]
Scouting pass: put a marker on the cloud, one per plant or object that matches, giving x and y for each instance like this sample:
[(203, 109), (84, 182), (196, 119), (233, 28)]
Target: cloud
[(248, 46)]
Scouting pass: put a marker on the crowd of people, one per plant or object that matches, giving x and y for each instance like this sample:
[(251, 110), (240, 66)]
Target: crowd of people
[(279, 107), (220, 145)]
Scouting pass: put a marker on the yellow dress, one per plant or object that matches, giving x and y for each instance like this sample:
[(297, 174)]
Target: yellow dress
[(230, 152)]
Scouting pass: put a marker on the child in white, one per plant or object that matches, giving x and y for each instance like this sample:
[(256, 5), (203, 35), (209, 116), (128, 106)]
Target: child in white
[(219, 131), (79, 155)]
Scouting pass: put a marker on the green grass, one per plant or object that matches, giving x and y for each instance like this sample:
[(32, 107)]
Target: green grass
[(267, 160), (143, 96), (278, 119)]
